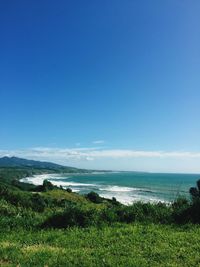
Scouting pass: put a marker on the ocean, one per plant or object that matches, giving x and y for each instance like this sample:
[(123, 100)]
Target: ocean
[(126, 187)]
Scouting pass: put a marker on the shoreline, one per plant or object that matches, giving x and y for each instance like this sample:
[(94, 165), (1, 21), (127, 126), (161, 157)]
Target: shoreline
[(123, 194)]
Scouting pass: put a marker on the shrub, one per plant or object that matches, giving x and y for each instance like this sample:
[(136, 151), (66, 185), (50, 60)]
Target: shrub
[(85, 215), (47, 186), (195, 192), (194, 210), (114, 201), (108, 215), (22, 199), (7, 209), (38, 203), (94, 197), (69, 190), (181, 210), (144, 212), (185, 211), (74, 215)]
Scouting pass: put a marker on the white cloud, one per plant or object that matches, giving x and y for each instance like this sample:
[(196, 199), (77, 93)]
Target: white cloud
[(115, 159), (60, 154), (98, 142)]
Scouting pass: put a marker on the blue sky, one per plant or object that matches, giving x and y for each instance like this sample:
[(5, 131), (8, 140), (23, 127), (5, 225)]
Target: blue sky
[(118, 78)]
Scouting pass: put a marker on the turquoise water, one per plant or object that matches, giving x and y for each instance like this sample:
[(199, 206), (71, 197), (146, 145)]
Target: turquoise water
[(128, 187)]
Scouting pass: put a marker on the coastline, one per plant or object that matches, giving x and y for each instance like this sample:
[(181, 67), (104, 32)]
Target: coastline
[(124, 194)]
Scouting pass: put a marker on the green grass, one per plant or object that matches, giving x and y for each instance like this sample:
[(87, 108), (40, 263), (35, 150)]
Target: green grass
[(64, 195), (110, 234), (120, 245)]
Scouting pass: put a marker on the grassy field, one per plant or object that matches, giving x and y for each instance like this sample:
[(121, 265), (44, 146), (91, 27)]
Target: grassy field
[(118, 245)]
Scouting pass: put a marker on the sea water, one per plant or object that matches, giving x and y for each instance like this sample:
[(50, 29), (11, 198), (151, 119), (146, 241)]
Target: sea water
[(126, 187)]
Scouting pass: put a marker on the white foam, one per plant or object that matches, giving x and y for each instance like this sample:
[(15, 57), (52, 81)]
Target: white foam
[(125, 199), (128, 199), (74, 190), (63, 183), (37, 179), (116, 188), (123, 194)]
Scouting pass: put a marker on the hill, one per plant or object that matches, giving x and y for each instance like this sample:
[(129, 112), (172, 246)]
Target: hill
[(12, 169), (26, 163)]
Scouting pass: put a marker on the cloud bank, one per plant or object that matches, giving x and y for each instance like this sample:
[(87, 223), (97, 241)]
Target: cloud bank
[(77, 154)]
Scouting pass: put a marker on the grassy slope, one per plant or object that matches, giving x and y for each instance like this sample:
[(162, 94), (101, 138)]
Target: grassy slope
[(126, 245), (59, 195), (123, 245)]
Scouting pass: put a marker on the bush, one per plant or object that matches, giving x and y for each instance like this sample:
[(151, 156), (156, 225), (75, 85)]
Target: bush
[(185, 211), (12, 217), (195, 192), (74, 215), (47, 186), (144, 212), (38, 203), (181, 213), (193, 211), (115, 202), (6, 209), (22, 199), (69, 190), (94, 197), (108, 216), (85, 215)]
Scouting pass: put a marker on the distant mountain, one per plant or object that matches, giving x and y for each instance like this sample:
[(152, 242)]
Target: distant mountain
[(26, 163)]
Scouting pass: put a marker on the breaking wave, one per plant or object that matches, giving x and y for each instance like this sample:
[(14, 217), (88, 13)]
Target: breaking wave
[(124, 194)]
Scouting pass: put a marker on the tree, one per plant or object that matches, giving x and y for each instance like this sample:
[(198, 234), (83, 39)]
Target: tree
[(195, 191), (47, 185)]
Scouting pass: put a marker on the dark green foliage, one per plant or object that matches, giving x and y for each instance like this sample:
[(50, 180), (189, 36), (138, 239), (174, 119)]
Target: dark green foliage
[(7, 175), (94, 197), (15, 217), (47, 186), (21, 198), (23, 186), (194, 211), (108, 216), (69, 190), (185, 211), (145, 212), (195, 192), (114, 201), (84, 216), (74, 215), (38, 202), (181, 209)]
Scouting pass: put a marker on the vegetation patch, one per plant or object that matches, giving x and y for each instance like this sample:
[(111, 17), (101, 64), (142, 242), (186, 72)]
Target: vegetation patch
[(51, 226)]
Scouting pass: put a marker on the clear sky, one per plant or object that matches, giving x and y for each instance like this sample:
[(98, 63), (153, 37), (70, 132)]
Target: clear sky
[(101, 84)]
